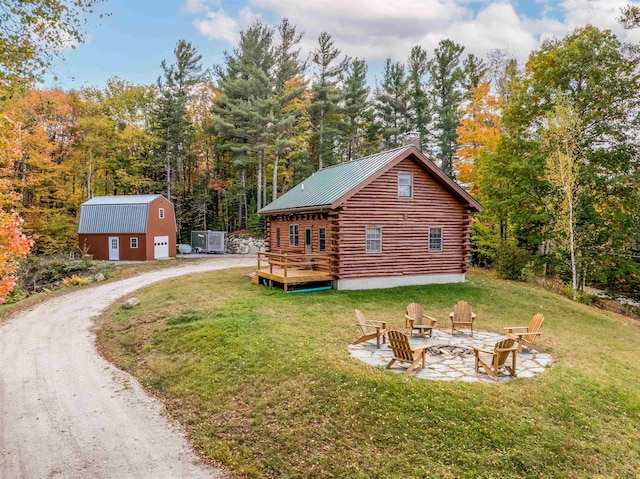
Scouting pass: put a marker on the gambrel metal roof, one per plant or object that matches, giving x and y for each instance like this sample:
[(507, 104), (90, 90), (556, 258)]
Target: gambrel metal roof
[(115, 214), (329, 187)]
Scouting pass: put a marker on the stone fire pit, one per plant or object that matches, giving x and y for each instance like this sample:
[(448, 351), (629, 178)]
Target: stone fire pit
[(450, 358)]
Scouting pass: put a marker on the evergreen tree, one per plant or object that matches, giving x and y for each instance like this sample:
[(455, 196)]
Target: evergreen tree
[(446, 78), (243, 110), (288, 67), (419, 104), (356, 105), (392, 104), (325, 100)]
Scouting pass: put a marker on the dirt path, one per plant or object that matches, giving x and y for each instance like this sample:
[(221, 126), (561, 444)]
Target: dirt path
[(67, 413)]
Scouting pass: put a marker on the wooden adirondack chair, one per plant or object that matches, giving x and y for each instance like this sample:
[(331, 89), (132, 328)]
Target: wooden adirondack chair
[(462, 316), (402, 351), (370, 329), (499, 356), (526, 335), (416, 320)]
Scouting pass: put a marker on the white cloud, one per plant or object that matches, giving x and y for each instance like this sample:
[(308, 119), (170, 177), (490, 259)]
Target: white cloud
[(377, 29), (199, 6)]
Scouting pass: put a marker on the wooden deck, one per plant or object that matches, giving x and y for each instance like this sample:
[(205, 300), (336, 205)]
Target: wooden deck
[(289, 269)]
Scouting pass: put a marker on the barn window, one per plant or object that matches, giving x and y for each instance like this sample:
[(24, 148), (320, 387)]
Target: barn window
[(277, 237), (405, 185), (161, 213), (133, 243), (322, 240), (435, 238), (374, 240), (293, 235)]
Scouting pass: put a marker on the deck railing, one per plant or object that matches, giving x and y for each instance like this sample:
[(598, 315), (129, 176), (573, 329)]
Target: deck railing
[(315, 262)]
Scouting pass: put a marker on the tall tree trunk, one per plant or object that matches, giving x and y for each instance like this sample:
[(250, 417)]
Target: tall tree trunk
[(321, 146), (274, 193), (259, 198), (574, 280), (264, 180)]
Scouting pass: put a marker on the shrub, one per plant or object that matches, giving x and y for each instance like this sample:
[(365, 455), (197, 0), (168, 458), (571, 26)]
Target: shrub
[(511, 260)]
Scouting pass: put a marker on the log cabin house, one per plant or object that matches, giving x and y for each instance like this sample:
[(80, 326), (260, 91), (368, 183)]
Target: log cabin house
[(389, 219), (128, 227)]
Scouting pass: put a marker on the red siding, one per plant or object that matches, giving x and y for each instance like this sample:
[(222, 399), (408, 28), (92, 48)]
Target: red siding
[(157, 226), (99, 246), (405, 226)]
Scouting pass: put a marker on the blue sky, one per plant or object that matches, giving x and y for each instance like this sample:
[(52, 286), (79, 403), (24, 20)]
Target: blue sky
[(138, 34)]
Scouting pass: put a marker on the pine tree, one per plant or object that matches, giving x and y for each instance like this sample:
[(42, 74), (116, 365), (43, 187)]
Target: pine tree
[(446, 77), (419, 104), (356, 105), (243, 113), (172, 124), (288, 67), (392, 104), (325, 100)]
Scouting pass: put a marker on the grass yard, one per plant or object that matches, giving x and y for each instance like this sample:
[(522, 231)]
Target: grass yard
[(264, 384)]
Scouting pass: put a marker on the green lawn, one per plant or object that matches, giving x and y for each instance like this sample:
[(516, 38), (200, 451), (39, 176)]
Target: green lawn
[(264, 384)]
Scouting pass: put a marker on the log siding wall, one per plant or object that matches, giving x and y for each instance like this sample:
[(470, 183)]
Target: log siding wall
[(405, 226)]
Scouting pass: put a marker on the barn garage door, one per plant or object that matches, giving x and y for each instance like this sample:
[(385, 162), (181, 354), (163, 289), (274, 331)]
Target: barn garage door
[(160, 247)]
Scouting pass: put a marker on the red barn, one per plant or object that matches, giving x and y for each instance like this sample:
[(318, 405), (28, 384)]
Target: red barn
[(130, 227), (390, 219)]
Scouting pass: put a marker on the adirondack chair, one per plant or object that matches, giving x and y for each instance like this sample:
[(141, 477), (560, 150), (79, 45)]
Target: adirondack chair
[(462, 316), (526, 335), (403, 352), (416, 320), (499, 356), (370, 329)]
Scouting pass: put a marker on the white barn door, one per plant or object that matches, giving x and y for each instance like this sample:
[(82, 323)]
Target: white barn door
[(160, 247), (114, 248)]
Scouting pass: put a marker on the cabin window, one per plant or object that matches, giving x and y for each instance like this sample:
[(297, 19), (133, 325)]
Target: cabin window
[(435, 238), (161, 213), (293, 235), (133, 243), (322, 240), (405, 185), (277, 237), (374, 240)]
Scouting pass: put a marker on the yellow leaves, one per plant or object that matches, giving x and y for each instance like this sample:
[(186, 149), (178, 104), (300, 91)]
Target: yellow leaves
[(479, 131)]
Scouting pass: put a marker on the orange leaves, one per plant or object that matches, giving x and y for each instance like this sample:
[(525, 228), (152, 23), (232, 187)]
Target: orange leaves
[(479, 130), (13, 245)]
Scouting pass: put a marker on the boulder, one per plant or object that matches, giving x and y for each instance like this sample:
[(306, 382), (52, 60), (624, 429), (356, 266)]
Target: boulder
[(130, 303)]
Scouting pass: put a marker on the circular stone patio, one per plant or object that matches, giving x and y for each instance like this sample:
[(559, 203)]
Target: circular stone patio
[(450, 358)]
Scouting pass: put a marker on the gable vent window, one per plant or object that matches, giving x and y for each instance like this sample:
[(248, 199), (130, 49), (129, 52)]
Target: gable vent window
[(161, 213), (435, 238), (374, 240), (405, 185)]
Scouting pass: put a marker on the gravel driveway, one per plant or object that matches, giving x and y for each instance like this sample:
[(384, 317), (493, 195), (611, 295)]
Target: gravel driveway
[(67, 413)]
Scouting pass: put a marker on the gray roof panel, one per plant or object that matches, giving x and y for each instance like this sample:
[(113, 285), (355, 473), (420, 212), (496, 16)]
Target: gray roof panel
[(113, 219), (330, 184)]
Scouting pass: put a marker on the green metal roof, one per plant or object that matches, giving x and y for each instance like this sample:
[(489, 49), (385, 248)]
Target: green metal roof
[(330, 184)]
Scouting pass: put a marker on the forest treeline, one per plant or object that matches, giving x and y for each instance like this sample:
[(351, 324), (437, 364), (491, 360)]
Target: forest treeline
[(549, 148)]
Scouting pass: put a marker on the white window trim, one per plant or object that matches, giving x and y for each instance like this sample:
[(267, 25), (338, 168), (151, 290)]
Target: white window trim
[(366, 240), (320, 249), (161, 213), (441, 239), (295, 236), (410, 186), (131, 240)]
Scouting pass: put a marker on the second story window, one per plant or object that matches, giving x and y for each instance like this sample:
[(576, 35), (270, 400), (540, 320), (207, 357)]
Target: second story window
[(405, 185), (161, 213)]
